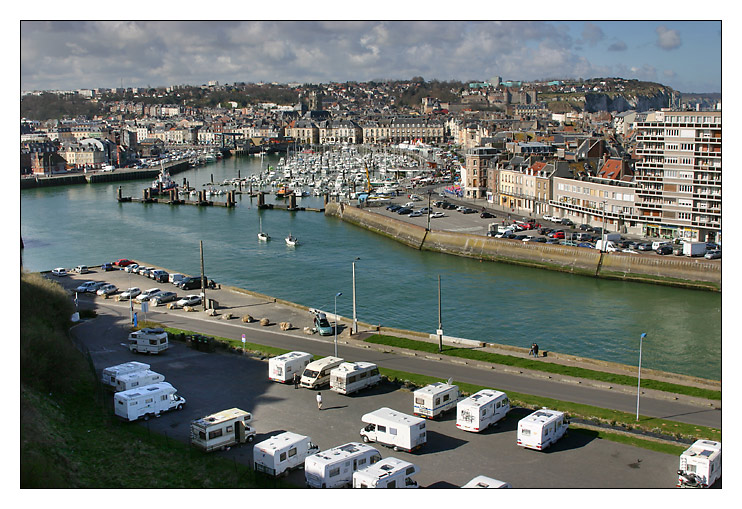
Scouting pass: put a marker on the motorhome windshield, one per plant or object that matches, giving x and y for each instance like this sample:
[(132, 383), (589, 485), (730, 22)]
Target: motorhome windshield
[(311, 373)]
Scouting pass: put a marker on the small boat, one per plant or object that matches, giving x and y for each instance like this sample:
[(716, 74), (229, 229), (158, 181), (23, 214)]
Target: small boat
[(291, 240), (262, 235)]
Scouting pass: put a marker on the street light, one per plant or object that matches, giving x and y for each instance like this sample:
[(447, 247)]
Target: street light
[(355, 321), (639, 384), (336, 322)]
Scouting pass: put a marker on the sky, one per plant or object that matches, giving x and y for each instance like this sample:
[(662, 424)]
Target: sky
[(68, 55)]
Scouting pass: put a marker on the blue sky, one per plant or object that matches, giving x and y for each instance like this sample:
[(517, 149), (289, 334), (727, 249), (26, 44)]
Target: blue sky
[(88, 54)]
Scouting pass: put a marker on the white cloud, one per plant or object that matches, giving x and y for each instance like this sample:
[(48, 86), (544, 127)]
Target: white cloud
[(668, 39)]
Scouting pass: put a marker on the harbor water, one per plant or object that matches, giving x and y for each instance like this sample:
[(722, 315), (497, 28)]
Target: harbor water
[(396, 286)]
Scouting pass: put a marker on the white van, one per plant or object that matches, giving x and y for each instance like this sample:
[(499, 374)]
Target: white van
[(317, 373), (435, 399), (145, 402), (481, 410), (387, 473), (109, 375), (282, 453), (482, 481), (82, 269), (541, 429), (334, 468), (222, 429), (350, 377), (137, 379), (700, 465), (175, 278), (151, 341), (282, 368), (394, 429)]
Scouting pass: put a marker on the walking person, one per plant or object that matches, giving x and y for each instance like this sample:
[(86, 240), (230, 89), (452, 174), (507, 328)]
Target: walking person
[(535, 350), (319, 401), (296, 380), (530, 352)]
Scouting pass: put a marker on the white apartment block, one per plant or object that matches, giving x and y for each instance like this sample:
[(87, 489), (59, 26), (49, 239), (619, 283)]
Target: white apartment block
[(679, 174)]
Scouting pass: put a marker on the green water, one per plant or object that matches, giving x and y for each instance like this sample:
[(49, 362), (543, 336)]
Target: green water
[(396, 286)]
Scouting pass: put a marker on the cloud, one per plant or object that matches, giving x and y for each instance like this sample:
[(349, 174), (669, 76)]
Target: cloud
[(617, 46), (668, 39), (592, 34)]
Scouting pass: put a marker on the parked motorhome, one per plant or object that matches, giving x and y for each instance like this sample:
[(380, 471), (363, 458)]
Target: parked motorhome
[(317, 373), (482, 481), (151, 341), (541, 429), (481, 410), (148, 401), (387, 473), (334, 468), (435, 399), (282, 368), (394, 429), (700, 465), (222, 429), (109, 375), (282, 453), (350, 377), (137, 379)]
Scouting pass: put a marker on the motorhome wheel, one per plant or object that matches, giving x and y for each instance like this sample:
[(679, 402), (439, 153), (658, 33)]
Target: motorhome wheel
[(180, 406), (396, 448), (146, 417), (250, 439), (365, 439)]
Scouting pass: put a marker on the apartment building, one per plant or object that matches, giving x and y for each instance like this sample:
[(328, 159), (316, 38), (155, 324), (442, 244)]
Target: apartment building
[(340, 131), (303, 131), (475, 173), (678, 174), (525, 187)]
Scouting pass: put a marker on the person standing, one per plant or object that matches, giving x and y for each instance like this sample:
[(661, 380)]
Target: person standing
[(319, 401), (296, 380), (535, 350)]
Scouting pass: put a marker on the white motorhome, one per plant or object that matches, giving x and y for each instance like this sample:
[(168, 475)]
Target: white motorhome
[(282, 453), (148, 401), (387, 473), (481, 410), (151, 341), (394, 429), (282, 368), (482, 481), (137, 379), (317, 373), (700, 465), (435, 399), (109, 375), (350, 377), (334, 468), (222, 429), (541, 429)]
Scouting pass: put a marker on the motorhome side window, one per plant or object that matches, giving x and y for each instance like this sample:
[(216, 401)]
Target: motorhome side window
[(410, 471), (361, 461), (363, 375), (445, 397), (392, 484), (382, 428), (282, 457), (525, 431), (419, 401), (497, 405), (202, 435), (437, 401), (229, 429), (351, 379), (214, 434), (392, 431), (163, 398), (334, 472), (292, 452), (153, 342), (150, 400)]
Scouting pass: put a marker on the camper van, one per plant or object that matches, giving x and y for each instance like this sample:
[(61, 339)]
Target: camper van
[(137, 379), (282, 453), (282, 368), (108, 378), (394, 429), (387, 473), (350, 377), (150, 341), (482, 481), (434, 399), (481, 410), (700, 465), (541, 429), (334, 468), (145, 402), (317, 373), (222, 429)]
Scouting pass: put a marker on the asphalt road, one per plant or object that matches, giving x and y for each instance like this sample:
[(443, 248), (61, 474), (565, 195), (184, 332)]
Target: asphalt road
[(216, 381)]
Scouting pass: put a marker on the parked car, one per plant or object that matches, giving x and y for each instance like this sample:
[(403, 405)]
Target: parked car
[(132, 267), (59, 272), (85, 287), (82, 269), (107, 289), (644, 246), (123, 262), (712, 246), (437, 214), (416, 213), (664, 250), (567, 222), (585, 227), (547, 217), (552, 241), (106, 267), (585, 244), (147, 294), (713, 254), (194, 282), (559, 234), (598, 230), (468, 210), (189, 300), (322, 324), (160, 276), (678, 250), (425, 210), (486, 215), (404, 211), (130, 293), (163, 297)]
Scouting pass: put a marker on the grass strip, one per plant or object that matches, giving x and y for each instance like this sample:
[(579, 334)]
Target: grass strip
[(548, 367)]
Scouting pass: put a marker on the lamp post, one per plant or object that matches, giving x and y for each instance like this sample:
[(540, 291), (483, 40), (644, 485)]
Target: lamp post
[(336, 322), (602, 236), (639, 384), (355, 321)]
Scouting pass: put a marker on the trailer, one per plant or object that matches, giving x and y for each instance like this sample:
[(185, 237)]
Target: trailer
[(109, 375), (282, 368), (481, 410), (151, 341), (394, 429), (148, 401), (350, 377), (700, 465), (541, 429), (334, 468), (694, 248), (317, 373), (435, 399), (222, 429), (387, 473), (482, 481), (138, 379), (282, 453)]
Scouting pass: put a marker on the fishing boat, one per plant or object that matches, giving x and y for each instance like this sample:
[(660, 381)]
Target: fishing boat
[(163, 183), (261, 234), (283, 192), (291, 240)]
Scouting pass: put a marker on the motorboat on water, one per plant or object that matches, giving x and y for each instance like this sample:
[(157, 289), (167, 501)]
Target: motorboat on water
[(291, 240), (163, 183), (261, 234)]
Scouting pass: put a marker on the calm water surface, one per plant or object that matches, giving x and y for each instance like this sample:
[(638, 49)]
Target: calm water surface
[(395, 286)]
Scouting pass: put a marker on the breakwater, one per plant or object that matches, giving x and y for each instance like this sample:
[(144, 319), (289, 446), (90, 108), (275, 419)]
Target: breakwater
[(119, 175), (685, 273)]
